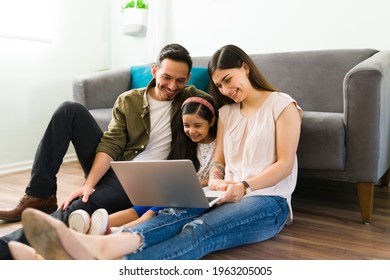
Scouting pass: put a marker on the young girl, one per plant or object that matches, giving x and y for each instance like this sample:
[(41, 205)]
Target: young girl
[(196, 141)]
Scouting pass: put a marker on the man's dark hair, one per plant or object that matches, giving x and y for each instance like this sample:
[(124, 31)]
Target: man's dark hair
[(175, 52)]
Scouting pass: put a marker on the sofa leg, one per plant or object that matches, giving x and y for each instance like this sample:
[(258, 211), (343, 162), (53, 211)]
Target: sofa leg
[(385, 180), (366, 200)]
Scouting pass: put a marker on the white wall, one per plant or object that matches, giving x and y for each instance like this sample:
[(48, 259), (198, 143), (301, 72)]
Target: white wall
[(127, 50), (257, 26), (35, 77), (281, 25)]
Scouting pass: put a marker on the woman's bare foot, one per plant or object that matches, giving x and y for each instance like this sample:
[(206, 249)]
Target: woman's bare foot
[(54, 240), (20, 251)]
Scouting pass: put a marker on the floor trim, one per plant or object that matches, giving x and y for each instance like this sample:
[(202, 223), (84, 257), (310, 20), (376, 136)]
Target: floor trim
[(26, 165)]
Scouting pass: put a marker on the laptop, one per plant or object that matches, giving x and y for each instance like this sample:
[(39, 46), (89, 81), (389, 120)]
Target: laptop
[(166, 183)]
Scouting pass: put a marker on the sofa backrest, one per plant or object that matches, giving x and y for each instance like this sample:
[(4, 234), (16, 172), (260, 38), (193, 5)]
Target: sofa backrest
[(313, 78)]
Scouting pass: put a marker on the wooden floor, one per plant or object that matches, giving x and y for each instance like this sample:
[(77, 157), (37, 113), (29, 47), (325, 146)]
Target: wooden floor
[(327, 223), (12, 189)]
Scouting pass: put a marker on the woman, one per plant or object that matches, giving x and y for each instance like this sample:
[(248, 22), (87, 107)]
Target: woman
[(255, 163)]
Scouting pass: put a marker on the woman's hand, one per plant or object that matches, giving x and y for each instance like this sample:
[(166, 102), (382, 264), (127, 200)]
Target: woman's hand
[(235, 191), (84, 192)]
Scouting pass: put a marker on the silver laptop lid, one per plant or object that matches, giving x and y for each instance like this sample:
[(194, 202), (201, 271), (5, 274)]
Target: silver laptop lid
[(169, 183)]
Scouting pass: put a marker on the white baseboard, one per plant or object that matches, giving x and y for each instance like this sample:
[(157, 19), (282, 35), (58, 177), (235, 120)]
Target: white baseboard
[(26, 165)]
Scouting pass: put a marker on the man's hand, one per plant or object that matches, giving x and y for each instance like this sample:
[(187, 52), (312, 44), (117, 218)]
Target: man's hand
[(99, 167), (84, 192)]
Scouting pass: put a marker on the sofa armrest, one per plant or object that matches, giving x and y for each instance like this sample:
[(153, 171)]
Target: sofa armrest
[(367, 118), (100, 89)]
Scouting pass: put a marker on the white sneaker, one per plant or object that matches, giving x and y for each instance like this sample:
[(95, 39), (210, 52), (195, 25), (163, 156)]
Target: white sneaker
[(80, 221), (99, 223)]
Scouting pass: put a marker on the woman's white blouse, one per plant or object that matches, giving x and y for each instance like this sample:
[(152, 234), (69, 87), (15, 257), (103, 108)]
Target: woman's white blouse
[(249, 144)]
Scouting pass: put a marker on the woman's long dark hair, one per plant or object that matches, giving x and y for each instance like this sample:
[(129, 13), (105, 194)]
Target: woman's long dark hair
[(229, 57), (182, 146)]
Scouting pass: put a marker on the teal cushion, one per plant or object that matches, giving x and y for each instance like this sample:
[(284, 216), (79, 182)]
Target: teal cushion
[(199, 78), (142, 74)]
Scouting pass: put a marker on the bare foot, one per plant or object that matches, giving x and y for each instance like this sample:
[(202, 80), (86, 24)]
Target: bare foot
[(52, 238), (20, 251)]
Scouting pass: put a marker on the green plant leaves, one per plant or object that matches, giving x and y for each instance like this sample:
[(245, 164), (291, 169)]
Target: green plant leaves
[(131, 4)]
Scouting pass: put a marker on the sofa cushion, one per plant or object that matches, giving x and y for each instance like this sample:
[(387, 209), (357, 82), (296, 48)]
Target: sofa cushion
[(322, 141), (199, 78), (313, 78), (141, 76)]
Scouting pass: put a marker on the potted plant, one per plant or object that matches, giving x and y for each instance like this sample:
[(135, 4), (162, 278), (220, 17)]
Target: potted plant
[(135, 17)]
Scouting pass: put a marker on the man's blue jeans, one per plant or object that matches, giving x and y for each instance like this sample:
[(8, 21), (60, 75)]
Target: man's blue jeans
[(194, 233)]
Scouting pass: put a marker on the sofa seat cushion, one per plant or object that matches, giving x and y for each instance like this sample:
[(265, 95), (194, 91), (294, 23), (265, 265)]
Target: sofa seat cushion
[(322, 141)]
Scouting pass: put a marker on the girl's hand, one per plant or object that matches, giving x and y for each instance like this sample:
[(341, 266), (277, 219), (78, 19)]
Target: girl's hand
[(234, 193), (219, 185), (214, 184)]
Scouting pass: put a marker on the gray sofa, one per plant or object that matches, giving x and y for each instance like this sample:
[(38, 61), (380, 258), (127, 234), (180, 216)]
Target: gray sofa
[(345, 95)]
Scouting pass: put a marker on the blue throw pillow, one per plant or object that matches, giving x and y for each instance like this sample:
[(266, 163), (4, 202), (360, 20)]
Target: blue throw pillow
[(199, 78), (141, 75)]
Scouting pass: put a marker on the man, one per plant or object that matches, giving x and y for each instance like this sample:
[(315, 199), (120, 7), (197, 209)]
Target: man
[(144, 122)]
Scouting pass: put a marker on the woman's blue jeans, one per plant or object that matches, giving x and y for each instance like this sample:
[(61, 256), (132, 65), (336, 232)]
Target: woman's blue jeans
[(193, 233)]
